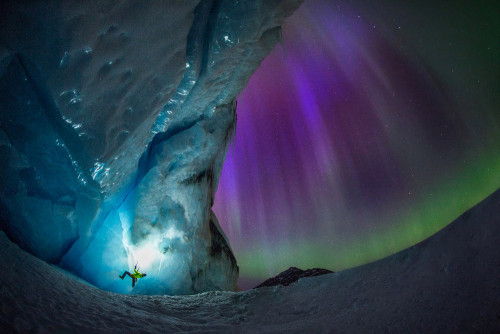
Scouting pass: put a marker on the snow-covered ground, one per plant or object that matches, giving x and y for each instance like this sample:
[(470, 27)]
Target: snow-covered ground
[(448, 283)]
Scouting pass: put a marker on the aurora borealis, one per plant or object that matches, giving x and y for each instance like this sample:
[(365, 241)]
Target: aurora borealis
[(369, 128)]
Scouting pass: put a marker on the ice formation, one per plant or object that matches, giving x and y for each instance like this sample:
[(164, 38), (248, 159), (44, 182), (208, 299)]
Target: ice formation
[(114, 123)]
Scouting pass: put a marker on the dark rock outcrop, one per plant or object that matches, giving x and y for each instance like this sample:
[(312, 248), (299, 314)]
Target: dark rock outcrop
[(292, 275)]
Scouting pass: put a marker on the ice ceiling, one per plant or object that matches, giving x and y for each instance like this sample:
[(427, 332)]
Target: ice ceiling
[(115, 119), (373, 125)]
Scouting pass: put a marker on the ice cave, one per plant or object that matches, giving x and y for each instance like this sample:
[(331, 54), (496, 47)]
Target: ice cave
[(367, 144)]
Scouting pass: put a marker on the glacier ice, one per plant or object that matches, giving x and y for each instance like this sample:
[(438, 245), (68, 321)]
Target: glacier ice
[(114, 125)]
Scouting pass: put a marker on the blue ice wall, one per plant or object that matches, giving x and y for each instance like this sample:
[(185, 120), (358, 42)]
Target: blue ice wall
[(42, 182), (114, 126)]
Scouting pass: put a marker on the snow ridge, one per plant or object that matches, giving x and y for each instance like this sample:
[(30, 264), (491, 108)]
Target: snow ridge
[(447, 283)]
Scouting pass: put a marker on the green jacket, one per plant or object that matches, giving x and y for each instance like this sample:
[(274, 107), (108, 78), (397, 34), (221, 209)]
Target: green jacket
[(136, 274)]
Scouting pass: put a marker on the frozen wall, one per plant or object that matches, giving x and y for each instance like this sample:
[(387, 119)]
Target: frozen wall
[(114, 123)]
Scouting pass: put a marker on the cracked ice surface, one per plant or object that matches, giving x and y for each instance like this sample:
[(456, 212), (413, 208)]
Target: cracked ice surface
[(114, 123)]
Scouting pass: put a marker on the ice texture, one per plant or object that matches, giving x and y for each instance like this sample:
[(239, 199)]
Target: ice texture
[(115, 118)]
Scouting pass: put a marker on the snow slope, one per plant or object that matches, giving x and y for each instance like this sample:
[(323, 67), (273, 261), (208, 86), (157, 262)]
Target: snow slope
[(447, 283)]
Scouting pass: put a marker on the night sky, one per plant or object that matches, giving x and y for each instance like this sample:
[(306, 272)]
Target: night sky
[(369, 128)]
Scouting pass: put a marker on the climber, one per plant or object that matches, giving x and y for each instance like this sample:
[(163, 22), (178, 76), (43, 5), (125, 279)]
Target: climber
[(135, 276)]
